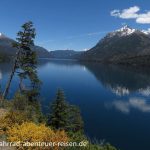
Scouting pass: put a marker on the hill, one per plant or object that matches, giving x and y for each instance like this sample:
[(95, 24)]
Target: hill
[(7, 51), (65, 54)]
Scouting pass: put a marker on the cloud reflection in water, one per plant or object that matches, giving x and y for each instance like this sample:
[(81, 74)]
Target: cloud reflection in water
[(126, 106)]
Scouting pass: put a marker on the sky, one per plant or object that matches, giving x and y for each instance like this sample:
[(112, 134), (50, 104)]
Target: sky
[(72, 24)]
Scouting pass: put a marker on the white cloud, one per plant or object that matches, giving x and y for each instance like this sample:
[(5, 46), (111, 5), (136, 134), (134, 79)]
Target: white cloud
[(143, 18), (129, 13), (115, 13), (132, 13)]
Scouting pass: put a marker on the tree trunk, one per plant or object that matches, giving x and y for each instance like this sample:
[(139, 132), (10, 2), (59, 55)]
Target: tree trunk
[(5, 93), (21, 86)]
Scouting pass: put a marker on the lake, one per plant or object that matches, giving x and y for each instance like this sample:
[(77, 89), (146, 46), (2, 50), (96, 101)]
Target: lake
[(114, 100)]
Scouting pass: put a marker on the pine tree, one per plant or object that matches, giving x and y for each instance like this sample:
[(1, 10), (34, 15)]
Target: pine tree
[(63, 115), (25, 60), (75, 119), (59, 112)]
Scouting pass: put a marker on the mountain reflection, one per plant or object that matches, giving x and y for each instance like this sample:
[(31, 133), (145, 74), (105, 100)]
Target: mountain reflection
[(5, 68), (145, 92), (57, 62), (122, 80)]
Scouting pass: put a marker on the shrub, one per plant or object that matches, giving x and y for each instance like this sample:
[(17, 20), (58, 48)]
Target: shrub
[(19, 102), (31, 109), (30, 132), (11, 118)]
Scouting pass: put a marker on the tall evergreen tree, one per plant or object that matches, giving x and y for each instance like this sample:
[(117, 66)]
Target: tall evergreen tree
[(25, 60), (75, 119), (63, 115), (59, 112)]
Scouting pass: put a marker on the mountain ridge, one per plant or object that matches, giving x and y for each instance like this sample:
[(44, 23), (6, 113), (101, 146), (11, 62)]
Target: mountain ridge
[(7, 50), (65, 54), (122, 46)]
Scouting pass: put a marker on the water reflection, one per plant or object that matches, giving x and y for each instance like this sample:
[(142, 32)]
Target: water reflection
[(122, 80), (118, 90), (133, 103), (1, 76), (5, 68), (58, 62), (101, 91), (145, 92)]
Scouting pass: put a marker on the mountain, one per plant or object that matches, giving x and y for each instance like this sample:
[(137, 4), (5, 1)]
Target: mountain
[(7, 51), (6, 45), (123, 46), (65, 54), (41, 52)]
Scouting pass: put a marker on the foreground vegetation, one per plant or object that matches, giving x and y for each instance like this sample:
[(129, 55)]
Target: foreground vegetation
[(23, 121)]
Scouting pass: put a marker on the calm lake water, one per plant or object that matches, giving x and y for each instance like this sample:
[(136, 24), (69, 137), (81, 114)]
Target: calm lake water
[(114, 101)]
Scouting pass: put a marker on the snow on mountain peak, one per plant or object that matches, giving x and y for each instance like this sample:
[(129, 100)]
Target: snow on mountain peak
[(147, 32), (2, 35), (124, 31)]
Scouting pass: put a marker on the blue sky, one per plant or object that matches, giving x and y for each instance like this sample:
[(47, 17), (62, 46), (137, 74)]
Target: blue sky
[(72, 24)]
